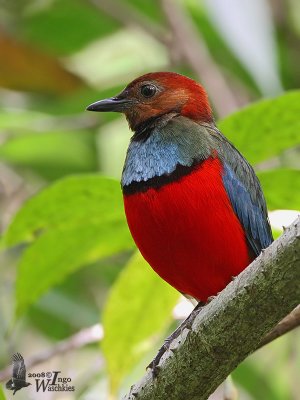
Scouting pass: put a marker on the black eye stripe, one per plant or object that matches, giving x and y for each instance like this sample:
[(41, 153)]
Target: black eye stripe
[(148, 90)]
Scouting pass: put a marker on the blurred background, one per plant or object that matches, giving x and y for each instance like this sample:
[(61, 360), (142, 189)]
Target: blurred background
[(70, 278)]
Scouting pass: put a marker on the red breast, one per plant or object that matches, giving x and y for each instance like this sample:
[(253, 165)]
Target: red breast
[(188, 232)]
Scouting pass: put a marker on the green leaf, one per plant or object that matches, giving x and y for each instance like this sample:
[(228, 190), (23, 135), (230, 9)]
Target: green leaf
[(281, 188), (70, 202), (2, 396), (51, 154), (71, 305), (74, 222), (59, 252), (66, 16), (151, 9), (138, 309), (265, 129)]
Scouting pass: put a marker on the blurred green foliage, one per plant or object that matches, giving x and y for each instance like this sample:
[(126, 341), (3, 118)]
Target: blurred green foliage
[(2, 397), (140, 305), (265, 129), (282, 188), (73, 223), (67, 255)]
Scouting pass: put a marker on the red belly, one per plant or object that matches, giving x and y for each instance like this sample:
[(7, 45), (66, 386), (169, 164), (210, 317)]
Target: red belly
[(189, 233)]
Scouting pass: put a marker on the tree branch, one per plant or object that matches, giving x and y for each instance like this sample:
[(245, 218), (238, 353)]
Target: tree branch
[(288, 323), (231, 327)]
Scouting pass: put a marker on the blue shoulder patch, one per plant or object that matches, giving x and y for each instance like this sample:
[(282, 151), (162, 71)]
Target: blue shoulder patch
[(156, 156), (251, 215)]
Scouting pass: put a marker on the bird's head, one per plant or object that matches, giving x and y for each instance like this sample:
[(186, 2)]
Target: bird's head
[(156, 94)]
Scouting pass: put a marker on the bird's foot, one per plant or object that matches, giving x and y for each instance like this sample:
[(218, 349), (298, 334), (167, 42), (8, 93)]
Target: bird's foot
[(186, 324), (165, 347)]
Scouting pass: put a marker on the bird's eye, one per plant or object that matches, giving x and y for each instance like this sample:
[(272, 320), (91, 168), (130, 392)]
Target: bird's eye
[(148, 90)]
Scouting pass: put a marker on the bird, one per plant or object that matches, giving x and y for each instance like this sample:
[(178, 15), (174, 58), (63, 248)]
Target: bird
[(18, 380), (194, 205)]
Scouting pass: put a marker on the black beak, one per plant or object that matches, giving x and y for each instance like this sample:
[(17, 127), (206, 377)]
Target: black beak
[(112, 104)]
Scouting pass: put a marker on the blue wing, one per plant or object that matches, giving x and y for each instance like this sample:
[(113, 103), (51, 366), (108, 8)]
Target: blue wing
[(245, 193), (252, 216)]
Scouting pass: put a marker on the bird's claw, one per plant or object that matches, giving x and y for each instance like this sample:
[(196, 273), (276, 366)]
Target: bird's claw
[(154, 365), (154, 368), (210, 299)]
